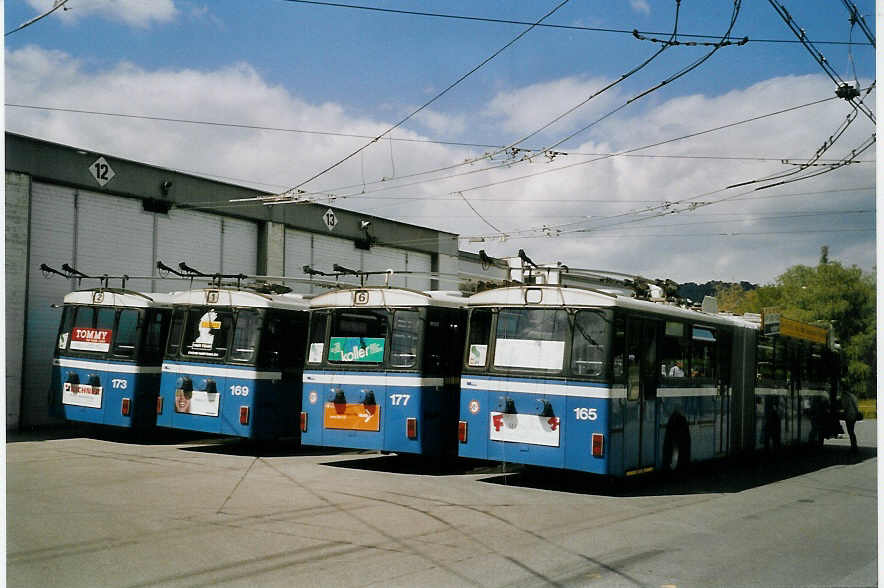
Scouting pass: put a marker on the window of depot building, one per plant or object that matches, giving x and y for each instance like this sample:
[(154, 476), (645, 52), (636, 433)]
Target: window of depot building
[(675, 353), (479, 338), (589, 345), (531, 338), (703, 355), (206, 332)]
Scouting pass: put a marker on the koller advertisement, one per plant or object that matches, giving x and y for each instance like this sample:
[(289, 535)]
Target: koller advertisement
[(356, 349)]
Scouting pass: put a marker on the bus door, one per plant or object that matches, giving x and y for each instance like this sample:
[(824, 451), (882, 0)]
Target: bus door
[(640, 418), (723, 400)]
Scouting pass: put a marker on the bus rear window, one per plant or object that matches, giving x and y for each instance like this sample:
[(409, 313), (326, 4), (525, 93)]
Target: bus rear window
[(406, 332), (206, 332), (127, 333), (358, 337), (531, 338), (245, 336), (589, 347), (92, 330)]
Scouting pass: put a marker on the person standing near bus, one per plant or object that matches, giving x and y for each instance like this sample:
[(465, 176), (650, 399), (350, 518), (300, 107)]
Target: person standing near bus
[(850, 412)]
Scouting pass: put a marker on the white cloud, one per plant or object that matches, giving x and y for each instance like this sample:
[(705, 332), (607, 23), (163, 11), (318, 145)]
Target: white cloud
[(698, 245), (135, 13), (524, 110), (640, 6), (440, 124)]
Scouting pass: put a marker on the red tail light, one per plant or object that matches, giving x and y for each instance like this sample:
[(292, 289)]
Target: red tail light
[(411, 428), (462, 431), (303, 422), (159, 405), (126, 407), (244, 415), (598, 445)]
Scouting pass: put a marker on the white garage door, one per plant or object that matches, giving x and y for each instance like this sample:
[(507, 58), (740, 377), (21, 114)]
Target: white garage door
[(298, 252), (384, 258), (419, 262)]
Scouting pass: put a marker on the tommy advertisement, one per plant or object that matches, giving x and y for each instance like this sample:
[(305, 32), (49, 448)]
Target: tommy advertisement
[(85, 339)]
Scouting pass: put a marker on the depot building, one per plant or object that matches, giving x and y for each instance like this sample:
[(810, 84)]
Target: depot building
[(102, 214)]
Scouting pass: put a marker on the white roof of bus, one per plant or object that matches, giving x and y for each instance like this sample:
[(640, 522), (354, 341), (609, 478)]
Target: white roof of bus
[(240, 298), (386, 298), (116, 297), (556, 296)]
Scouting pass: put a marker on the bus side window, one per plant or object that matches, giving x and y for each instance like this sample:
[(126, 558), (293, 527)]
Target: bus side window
[(156, 329), (480, 333), (674, 354), (318, 320), (618, 351), (703, 354), (126, 333), (176, 330)]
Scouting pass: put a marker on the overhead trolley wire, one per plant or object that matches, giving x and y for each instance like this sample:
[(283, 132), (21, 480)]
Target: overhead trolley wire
[(545, 25), (434, 98)]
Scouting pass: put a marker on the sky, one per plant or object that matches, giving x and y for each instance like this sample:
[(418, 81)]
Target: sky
[(575, 140)]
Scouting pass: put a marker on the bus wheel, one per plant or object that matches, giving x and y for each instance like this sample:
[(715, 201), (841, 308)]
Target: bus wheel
[(677, 448)]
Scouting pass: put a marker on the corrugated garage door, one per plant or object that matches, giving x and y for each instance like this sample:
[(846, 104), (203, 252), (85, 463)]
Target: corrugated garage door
[(419, 262), (383, 258), (328, 251), (52, 243), (191, 237), (297, 254), (114, 236), (239, 246)]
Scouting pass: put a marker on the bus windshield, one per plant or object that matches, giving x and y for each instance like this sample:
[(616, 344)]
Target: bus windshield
[(531, 338)]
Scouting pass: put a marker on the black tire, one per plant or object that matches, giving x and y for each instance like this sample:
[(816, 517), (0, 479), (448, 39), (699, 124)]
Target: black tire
[(677, 448)]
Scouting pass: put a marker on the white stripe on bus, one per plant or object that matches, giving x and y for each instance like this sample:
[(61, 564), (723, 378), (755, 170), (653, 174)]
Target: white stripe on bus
[(125, 368), (577, 391), (686, 392), (369, 380), (219, 372)]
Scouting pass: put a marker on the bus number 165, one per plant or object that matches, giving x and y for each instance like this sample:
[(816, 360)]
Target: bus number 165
[(586, 414)]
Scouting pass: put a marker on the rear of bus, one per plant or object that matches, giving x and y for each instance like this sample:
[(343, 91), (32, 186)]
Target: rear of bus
[(106, 365), (536, 387), (233, 365), (381, 372)]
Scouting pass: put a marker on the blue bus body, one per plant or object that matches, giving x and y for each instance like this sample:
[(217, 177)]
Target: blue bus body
[(106, 366), (589, 381), (382, 371), (233, 364)]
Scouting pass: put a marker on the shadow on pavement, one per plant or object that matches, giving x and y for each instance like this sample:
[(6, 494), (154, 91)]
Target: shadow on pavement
[(717, 477)]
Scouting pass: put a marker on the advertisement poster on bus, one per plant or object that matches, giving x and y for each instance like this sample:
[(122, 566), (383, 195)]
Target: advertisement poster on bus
[(525, 428), (352, 417), (88, 339), (356, 349), (197, 402), (529, 353), (208, 326), (81, 395)]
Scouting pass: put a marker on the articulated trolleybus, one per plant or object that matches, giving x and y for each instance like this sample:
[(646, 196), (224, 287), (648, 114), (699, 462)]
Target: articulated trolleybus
[(106, 368), (382, 370), (233, 363), (586, 380)]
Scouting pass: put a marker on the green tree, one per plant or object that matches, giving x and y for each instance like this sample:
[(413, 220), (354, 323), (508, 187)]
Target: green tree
[(843, 297)]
